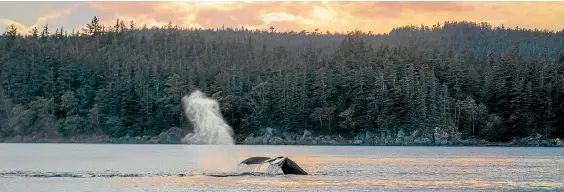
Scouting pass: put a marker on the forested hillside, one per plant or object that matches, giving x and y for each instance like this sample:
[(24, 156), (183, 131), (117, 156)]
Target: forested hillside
[(486, 82)]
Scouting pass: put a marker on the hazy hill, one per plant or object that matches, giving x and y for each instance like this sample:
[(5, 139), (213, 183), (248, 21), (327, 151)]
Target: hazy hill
[(482, 81)]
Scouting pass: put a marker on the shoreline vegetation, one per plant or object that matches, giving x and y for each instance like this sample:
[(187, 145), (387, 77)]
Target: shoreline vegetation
[(155, 140), (455, 83), (175, 135)]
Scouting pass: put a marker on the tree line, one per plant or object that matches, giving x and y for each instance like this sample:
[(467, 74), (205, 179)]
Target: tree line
[(487, 82)]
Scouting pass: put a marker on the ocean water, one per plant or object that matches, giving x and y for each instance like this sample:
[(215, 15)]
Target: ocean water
[(105, 167)]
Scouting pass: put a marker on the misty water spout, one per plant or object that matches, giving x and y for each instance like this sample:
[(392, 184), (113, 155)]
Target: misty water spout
[(205, 115)]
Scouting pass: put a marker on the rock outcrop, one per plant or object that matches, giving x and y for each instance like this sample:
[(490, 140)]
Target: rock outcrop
[(437, 136)]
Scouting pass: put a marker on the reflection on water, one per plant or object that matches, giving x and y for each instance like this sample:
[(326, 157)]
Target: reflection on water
[(183, 168), (419, 173), (312, 182)]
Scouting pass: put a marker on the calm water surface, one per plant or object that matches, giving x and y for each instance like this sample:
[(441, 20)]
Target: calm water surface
[(88, 167)]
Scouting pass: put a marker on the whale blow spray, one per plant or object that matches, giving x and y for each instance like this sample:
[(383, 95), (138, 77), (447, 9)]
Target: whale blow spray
[(205, 116), (218, 151)]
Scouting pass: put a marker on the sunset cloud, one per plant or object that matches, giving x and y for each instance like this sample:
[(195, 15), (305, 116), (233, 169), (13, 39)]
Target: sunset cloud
[(379, 17), (39, 21)]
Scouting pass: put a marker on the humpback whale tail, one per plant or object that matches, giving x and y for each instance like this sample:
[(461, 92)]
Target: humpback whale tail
[(275, 164)]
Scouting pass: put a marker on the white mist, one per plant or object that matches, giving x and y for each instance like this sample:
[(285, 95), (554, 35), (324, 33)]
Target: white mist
[(217, 151), (205, 115)]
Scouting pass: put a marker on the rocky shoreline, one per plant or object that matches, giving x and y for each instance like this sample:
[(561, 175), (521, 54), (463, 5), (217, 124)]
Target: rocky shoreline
[(272, 137), (171, 136), (438, 138)]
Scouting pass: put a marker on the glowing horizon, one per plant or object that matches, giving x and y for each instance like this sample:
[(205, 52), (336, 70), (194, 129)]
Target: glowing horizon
[(376, 16)]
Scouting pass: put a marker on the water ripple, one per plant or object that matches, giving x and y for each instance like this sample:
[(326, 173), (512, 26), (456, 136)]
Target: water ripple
[(108, 174)]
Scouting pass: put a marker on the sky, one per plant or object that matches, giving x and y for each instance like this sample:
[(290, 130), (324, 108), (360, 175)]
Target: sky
[(375, 16)]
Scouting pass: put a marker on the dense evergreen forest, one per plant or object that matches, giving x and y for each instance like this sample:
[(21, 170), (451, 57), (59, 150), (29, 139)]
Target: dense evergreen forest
[(487, 82)]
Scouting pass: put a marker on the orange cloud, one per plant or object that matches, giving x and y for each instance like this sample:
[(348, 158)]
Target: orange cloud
[(40, 21), (379, 17)]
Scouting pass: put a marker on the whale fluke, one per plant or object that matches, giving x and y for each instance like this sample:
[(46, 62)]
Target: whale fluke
[(255, 160), (278, 163)]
